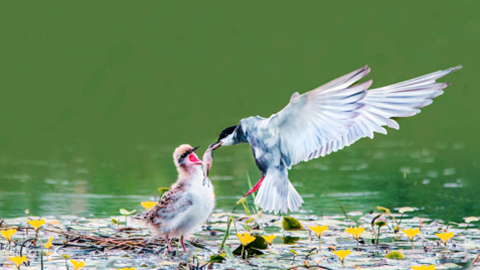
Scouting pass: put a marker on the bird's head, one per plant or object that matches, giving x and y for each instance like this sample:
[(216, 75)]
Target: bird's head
[(225, 138), (184, 156)]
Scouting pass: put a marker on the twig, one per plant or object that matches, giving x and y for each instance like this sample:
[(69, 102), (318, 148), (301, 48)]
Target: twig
[(343, 210)]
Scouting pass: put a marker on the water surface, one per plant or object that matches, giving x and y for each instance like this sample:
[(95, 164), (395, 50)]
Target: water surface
[(94, 101)]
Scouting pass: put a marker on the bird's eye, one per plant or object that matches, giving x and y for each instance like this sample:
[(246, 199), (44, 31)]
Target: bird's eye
[(183, 155)]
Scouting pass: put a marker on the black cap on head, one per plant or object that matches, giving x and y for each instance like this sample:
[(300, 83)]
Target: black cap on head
[(226, 132)]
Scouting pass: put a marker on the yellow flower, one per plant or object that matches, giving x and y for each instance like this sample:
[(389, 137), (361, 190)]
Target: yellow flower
[(269, 238), (318, 230), (445, 236), (246, 238), (8, 234), (148, 205), (342, 254), (77, 265), (356, 232), (18, 260), (49, 243), (423, 267), (36, 223), (411, 232), (126, 268)]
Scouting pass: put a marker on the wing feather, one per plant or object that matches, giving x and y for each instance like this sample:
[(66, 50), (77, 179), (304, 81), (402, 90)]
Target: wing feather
[(339, 113)]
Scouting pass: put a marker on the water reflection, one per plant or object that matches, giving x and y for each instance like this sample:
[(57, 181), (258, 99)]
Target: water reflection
[(391, 174)]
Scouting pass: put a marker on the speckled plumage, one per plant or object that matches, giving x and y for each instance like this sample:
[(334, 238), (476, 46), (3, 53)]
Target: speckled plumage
[(187, 204)]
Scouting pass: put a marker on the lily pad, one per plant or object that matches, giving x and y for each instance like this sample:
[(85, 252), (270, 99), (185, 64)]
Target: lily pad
[(258, 243), (218, 258), (395, 255), (125, 212), (290, 223), (290, 240)]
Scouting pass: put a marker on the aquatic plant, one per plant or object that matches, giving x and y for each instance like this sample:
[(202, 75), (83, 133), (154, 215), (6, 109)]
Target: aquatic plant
[(411, 233), (402, 211), (77, 264), (444, 236), (148, 205), (269, 238), (318, 230), (242, 201), (8, 234), (17, 260), (290, 223), (470, 219), (126, 213), (342, 254), (49, 243), (36, 224), (423, 267), (395, 255), (356, 232), (245, 239)]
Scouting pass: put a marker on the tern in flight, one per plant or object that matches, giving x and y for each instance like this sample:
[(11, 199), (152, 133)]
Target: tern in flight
[(322, 121)]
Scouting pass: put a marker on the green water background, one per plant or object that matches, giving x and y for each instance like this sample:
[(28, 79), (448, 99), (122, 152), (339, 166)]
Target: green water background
[(95, 96)]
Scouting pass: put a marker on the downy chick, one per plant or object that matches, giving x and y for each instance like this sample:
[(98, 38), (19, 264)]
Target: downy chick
[(187, 204)]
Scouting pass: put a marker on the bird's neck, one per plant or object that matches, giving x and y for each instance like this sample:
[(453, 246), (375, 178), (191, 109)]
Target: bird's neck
[(187, 174)]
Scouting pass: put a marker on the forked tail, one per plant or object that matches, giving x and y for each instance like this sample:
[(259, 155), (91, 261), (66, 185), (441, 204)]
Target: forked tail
[(277, 194)]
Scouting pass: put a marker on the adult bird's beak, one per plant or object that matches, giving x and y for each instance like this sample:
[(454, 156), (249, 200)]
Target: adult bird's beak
[(216, 145)]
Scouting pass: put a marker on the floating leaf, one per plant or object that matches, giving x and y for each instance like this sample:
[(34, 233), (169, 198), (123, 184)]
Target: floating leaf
[(290, 240), (395, 255), (218, 258), (293, 251), (290, 223), (251, 251), (470, 219), (125, 212), (405, 209)]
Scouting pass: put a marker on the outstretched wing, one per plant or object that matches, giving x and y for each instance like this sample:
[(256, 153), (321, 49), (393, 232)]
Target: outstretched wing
[(337, 114)]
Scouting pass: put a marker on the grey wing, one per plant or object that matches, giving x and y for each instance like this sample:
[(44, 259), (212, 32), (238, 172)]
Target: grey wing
[(337, 114), (403, 99), (313, 119)]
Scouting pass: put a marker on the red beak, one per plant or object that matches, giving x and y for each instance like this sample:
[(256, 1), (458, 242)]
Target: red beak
[(194, 159)]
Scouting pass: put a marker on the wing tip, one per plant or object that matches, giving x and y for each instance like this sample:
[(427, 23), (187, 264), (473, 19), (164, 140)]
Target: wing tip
[(456, 68)]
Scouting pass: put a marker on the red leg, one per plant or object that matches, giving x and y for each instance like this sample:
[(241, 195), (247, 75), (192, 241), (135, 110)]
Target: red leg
[(256, 187), (170, 249), (183, 245)]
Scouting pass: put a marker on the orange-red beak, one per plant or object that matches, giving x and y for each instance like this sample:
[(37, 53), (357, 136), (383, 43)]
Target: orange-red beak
[(193, 158)]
